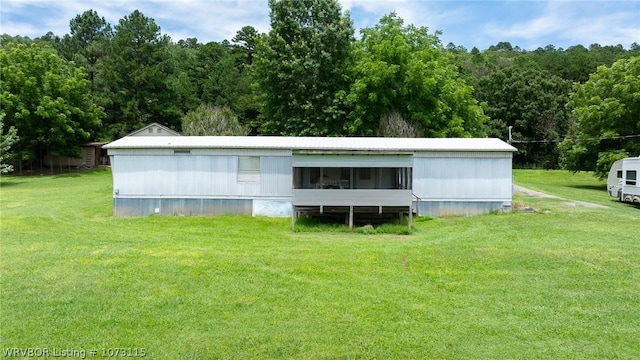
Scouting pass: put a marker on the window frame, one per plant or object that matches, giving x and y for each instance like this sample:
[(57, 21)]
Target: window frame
[(248, 174), (631, 180)]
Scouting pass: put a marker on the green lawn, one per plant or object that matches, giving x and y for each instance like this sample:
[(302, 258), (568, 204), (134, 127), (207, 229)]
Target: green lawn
[(563, 283), (576, 186)]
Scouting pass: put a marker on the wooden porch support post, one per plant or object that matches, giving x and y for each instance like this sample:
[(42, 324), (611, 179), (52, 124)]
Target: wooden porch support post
[(410, 217), (293, 217), (351, 217)]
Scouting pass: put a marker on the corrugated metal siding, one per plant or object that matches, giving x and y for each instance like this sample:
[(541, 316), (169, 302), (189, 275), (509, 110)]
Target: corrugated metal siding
[(192, 175), (352, 160), (462, 178), (180, 206), (450, 183), (460, 208), (276, 176), (200, 151)]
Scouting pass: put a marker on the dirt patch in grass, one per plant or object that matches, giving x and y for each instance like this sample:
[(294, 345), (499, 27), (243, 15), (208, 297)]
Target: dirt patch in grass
[(570, 203)]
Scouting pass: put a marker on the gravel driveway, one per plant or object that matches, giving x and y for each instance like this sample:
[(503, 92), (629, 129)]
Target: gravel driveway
[(538, 194)]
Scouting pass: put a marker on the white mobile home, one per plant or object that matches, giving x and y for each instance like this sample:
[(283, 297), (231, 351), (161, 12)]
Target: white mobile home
[(281, 176), (623, 181)]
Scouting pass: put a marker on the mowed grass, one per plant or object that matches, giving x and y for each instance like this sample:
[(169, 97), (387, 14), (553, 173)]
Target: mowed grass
[(582, 186), (558, 284)]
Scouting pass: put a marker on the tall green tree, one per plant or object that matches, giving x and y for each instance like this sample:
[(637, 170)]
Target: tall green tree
[(301, 67), (184, 59), (47, 99), (532, 102), (87, 43), (246, 103), (218, 74), (246, 39), (138, 72), (403, 70), (606, 109), (6, 141)]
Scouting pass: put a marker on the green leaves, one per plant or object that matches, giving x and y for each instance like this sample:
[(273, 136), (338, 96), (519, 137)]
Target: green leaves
[(207, 120), (532, 102), (606, 108), (401, 72), (301, 68), (6, 141), (47, 99), (138, 71)]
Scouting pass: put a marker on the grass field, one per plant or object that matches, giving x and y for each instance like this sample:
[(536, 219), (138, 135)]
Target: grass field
[(558, 283)]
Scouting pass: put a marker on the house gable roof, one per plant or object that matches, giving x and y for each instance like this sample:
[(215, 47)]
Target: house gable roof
[(155, 130)]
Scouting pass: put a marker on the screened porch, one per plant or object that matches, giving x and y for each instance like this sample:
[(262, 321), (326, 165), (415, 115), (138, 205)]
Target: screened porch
[(376, 185)]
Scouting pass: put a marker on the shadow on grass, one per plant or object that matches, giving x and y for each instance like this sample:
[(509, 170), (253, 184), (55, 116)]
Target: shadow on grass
[(323, 225), (79, 173), (588, 187), (7, 183), (632, 205), (68, 175)]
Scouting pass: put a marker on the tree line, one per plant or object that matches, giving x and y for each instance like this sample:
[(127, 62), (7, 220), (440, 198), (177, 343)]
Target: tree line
[(310, 75)]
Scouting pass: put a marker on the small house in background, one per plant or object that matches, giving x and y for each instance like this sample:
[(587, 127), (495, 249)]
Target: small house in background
[(288, 176), (91, 155), (154, 129)]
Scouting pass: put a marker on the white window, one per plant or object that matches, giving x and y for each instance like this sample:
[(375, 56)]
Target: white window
[(249, 169)]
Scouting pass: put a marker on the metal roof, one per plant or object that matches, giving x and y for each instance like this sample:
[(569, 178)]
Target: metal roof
[(311, 143), (164, 128)]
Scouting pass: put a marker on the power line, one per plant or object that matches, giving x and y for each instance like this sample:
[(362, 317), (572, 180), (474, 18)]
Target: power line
[(561, 140)]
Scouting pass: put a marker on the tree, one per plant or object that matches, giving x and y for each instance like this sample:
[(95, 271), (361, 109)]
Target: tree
[(6, 140), (87, 43), (403, 70), (47, 100), (606, 109), (246, 38), (301, 67), (532, 101), (217, 74), (138, 72), (207, 120), (182, 80), (394, 125)]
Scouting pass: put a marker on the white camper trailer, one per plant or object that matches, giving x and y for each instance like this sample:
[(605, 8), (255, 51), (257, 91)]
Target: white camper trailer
[(623, 181)]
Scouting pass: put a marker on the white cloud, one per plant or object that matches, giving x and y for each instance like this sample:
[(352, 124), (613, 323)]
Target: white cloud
[(528, 24), (15, 28), (567, 23), (205, 20)]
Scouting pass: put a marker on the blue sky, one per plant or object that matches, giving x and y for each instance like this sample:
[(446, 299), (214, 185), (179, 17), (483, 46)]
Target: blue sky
[(528, 24)]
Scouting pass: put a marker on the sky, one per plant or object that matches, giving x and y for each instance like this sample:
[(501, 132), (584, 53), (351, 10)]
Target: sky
[(527, 24)]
